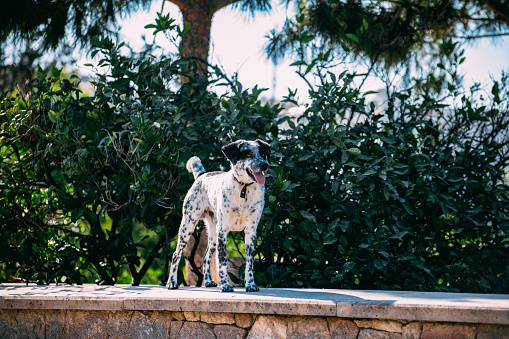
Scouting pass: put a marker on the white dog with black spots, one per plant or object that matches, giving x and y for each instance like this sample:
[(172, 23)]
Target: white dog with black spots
[(225, 201)]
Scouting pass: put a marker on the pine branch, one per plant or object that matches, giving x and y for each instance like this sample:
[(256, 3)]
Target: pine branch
[(471, 37)]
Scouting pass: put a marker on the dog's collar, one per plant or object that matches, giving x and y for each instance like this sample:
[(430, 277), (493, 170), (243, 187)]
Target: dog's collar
[(244, 189)]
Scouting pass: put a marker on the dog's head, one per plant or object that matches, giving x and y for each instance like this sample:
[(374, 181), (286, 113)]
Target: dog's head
[(249, 159)]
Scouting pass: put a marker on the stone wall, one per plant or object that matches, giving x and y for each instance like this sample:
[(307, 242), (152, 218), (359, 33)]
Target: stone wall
[(154, 312), (169, 324)]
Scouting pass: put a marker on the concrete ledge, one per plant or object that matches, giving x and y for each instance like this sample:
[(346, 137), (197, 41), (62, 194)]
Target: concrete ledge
[(408, 306)]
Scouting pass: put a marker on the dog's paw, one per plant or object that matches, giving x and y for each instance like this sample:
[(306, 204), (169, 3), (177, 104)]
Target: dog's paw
[(252, 288), (210, 284), (226, 288), (172, 285)]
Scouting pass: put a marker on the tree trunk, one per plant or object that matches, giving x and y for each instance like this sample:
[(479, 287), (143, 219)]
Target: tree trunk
[(198, 14)]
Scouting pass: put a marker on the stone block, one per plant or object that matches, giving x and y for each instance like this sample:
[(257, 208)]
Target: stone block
[(193, 330), (341, 328), (268, 327), (492, 331), (140, 325), (381, 325), (175, 327), (144, 325), (119, 323), (412, 330), (218, 318), (368, 333), (86, 324), (192, 316), (31, 323), (229, 332), (55, 323), (178, 316), (8, 324), (308, 327), (450, 331), (244, 320), (162, 322)]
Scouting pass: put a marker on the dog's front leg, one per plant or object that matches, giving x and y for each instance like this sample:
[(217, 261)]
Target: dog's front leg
[(222, 260), (250, 242)]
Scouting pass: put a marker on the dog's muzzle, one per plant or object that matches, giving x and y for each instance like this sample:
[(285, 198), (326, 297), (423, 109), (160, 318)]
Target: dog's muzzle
[(258, 176)]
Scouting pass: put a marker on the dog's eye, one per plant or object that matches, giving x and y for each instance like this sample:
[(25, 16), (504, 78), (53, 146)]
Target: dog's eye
[(249, 155)]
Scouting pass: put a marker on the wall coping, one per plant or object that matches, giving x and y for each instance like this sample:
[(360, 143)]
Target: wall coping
[(400, 305)]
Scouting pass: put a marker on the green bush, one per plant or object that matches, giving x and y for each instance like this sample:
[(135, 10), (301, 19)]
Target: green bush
[(411, 198), (92, 186), (385, 204)]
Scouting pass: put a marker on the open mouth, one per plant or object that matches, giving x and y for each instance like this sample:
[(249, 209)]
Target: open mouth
[(259, 177)]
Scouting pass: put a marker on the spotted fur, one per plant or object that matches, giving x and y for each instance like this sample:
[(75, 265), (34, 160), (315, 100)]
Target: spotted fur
[(225, 201)]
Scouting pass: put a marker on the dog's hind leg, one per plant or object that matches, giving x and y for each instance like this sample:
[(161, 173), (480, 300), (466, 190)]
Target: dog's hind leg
[(186, 229), (187, 226), (211, 248)]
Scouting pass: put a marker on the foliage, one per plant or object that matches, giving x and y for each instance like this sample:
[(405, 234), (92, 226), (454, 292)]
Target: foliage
[(409, 195), (34, 28), (389, 203), (92, 186), (53, 23), (390, 34)]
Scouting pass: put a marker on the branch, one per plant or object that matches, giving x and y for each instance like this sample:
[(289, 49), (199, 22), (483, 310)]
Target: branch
[(495, 7), (471, 37), (482, 19), (136, 276)]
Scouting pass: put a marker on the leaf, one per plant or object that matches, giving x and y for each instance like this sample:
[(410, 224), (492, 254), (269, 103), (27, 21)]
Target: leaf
[(89, 215), (344, 157), (387, 140), (329, 239), (338, 142), (365, 23), (485, 283), (335, 186), (308, 216), (344, 225), (306, 157), (76, 214), (354, 151), (349, 265), (56, 72), (299, 63), (495, 90), (380, 264), (385, 254), (399, 235), (352, 37), (305, 37)]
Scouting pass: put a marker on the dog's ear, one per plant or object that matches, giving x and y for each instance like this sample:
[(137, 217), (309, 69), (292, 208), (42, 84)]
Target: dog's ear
[(265, 149), (232, 151)]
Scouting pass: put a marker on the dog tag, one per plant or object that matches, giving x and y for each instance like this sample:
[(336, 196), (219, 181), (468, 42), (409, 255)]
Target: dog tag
[(243, 192)]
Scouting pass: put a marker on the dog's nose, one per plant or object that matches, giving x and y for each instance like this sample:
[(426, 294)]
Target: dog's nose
[(264, 166)]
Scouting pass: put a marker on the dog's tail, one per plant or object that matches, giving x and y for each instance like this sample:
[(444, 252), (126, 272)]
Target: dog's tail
[(195, 166)]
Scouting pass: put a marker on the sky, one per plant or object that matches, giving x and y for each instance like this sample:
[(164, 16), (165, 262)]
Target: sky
[(237, 41)]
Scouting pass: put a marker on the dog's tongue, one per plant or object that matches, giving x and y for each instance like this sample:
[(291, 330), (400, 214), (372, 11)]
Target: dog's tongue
[(259, 177)]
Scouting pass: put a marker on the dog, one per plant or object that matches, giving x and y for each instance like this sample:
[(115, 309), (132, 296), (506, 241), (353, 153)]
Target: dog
[(225, 201)]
